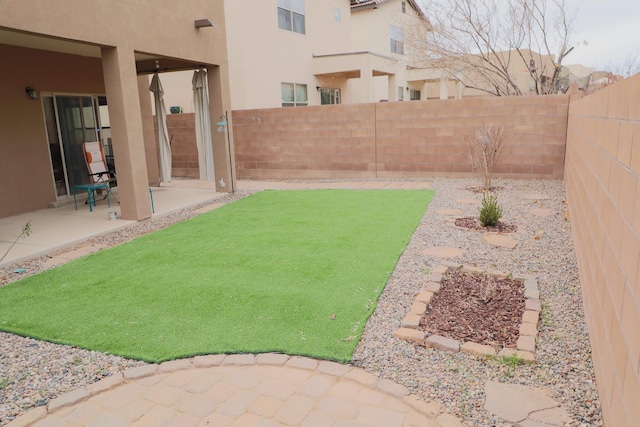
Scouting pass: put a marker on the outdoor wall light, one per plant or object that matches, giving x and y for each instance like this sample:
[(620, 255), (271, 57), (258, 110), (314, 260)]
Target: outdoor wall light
[(200, 23), (31, 92), (318, 88)]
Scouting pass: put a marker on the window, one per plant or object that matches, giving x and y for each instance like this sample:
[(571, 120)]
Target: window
[(397, 40), (400, 93), (404, 7), (329, 96), (337, 14), (291, 15), (293, 94), (414, 95)]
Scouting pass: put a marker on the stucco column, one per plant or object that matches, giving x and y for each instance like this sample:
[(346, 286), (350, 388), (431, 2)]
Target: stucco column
[(150, 142), (223, 147), (121, 85), (368, 87), (444, 89), (393, 88), (459, 88)]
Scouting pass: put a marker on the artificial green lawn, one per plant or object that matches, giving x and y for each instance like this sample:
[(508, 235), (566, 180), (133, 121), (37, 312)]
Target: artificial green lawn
[(297, 272)]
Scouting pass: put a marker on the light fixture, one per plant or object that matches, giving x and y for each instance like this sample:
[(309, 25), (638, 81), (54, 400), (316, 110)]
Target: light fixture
[(407, 87), (318, 88), (31, 92), (200, 23)]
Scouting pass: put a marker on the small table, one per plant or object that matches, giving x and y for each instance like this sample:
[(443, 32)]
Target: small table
[(91, 191)]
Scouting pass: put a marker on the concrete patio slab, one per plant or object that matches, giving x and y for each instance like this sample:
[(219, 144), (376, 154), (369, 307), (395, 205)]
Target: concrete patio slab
[(64, 226)]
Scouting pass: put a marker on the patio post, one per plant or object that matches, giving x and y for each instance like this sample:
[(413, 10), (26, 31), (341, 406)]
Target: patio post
[(121, 85), (393, 87), (223, 146)]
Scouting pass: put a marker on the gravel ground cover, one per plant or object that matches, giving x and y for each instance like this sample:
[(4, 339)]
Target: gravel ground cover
[(564, 367), (33, 372)]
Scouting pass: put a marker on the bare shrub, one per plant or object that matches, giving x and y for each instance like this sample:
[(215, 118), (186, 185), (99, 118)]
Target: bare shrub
[(486, 149)]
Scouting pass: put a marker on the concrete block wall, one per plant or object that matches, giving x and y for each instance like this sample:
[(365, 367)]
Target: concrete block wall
[(429, 138), (184, 152), (399, 139), (603, 191), (310, 142)]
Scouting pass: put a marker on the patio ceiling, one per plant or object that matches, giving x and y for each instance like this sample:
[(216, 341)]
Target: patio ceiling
[(351, 65), (145, 62)]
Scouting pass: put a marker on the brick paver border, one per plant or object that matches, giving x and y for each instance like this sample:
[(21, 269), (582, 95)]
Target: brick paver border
[(432, 410), (525, 347)]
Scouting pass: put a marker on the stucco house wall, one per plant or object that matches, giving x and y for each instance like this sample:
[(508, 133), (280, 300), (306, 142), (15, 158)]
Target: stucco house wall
[(97, 48)]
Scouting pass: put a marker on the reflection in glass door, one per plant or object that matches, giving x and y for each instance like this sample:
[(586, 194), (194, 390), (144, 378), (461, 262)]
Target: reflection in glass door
[(71, 121)]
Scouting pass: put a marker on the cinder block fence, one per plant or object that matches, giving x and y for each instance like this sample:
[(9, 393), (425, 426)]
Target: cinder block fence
[(399, 139)]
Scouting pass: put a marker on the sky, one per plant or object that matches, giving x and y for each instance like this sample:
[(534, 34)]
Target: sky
[(610, 28)]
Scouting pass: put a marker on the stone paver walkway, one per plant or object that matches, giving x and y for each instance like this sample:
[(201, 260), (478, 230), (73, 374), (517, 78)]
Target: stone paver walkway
[(240, 390)]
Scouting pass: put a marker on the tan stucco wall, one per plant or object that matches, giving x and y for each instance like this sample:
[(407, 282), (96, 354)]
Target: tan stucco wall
[(26, 181), (152, 26), (113, 37), (603, 191), (261, 55), (370, 29)]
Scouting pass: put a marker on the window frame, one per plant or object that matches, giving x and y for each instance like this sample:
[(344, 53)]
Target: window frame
[(294, 16), (396, 37), (400, 93), (333, 93), (413, 93), (294, 102)]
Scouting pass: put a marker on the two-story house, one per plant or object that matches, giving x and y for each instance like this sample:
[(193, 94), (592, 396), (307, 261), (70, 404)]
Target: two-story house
[(307, 52)]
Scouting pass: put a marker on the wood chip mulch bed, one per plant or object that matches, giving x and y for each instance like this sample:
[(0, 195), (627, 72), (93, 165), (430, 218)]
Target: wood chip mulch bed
[(474, 224), (476, 307)]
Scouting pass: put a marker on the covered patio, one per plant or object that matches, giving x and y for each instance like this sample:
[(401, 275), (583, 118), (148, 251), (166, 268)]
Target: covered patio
[(71, 81)]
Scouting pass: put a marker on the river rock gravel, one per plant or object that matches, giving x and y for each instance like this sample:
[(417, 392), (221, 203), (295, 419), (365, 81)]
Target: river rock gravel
[(563, 369), (33, 372)]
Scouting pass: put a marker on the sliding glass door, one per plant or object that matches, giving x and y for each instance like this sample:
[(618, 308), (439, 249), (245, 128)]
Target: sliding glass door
[(71, 120)]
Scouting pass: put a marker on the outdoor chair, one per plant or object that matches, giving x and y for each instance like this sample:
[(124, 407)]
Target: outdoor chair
[(102, 177), (97, 165)]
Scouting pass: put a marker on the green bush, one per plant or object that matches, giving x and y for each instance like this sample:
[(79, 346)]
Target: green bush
[(491, 211)]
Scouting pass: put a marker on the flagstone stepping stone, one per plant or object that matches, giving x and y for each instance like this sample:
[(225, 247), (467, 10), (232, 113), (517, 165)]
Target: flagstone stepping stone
[(516, 403), (500, 240), (541, 212), (468, 201), (449, 212), (442, 252), (536, 197)]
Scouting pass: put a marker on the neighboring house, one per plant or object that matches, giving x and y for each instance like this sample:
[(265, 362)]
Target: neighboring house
[(473, 77), (306, 52), (76, 71), (578, 74)]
